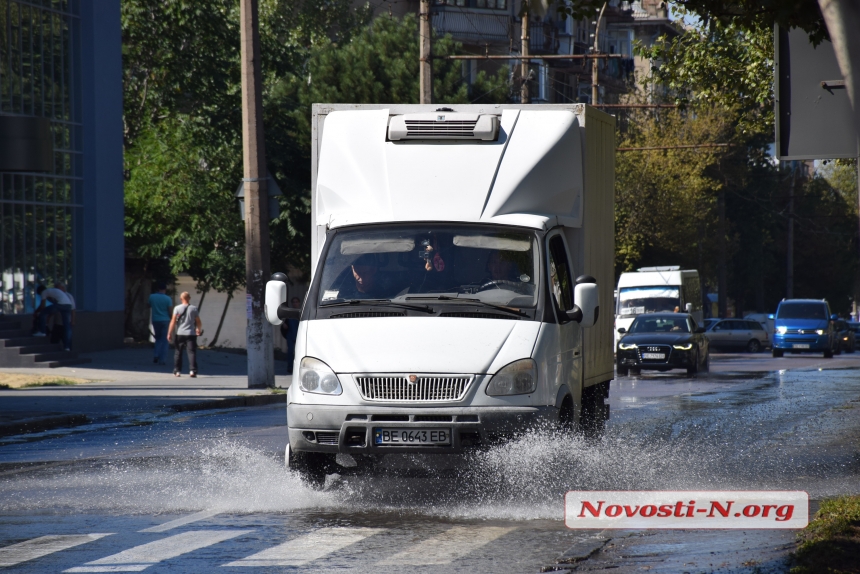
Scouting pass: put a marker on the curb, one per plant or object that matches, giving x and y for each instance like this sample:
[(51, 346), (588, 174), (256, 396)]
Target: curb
[(42, 424), (232, 403)]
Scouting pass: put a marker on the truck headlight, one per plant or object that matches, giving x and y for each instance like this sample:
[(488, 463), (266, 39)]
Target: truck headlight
[(517, 378), (781, 330), (819, 331), (317, 377), (626, 347), (686, 347)]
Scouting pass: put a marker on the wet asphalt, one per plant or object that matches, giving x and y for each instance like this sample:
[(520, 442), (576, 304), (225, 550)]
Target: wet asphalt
[(193, 492)]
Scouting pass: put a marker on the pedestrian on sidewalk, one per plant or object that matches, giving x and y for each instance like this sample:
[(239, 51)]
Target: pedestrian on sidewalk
[(186, 322), (162, 308), (60, 303)]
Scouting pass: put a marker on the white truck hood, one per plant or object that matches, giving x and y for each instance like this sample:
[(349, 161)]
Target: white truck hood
[(420, 344)]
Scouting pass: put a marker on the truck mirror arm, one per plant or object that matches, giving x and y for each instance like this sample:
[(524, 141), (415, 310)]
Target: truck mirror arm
[(574, 314), (286, 312)]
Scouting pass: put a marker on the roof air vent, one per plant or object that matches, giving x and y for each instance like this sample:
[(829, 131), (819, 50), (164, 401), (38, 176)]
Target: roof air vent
[(443, 126)]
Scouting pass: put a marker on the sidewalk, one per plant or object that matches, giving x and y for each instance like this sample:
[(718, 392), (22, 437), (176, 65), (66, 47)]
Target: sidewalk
[(126, 382)]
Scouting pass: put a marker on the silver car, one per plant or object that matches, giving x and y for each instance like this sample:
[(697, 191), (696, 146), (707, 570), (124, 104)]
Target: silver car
[(738, 334)]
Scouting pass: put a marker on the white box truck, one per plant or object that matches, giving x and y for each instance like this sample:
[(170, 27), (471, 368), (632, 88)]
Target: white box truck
[(460, 259), (657, 289)]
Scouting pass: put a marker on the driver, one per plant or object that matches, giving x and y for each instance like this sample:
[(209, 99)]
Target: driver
[(366, 285), (500, 269)]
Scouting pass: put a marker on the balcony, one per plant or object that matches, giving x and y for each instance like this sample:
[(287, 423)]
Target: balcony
[(473, 26)]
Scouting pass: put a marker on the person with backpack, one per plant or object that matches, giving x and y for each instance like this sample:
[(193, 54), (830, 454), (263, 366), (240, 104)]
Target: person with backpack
[(186, 322)]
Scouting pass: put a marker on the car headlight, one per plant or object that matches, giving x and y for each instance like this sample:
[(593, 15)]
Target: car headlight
[(781, 330), (819, 331), (686, 347), (517, 378), (317, 377), (625, 347)]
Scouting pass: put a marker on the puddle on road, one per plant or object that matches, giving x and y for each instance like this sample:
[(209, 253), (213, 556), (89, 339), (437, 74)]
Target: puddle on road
[(733, 445)]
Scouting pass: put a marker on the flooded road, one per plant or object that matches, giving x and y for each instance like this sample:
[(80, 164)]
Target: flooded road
[(191, 492)]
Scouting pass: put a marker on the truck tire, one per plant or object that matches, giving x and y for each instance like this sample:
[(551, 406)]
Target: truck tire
[(594, 412), (777, 353), (311, 467), (565, 415)]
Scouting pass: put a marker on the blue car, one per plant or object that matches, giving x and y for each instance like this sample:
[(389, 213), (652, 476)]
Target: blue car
[(804, 326)]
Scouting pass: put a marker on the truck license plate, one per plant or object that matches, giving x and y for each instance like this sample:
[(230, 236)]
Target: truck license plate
[(653, 356), (800, 346), (405, 436)]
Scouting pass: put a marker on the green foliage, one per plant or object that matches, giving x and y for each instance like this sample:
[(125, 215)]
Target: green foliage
[(831, 541), (751, 14), (722, 64), (665, 198)]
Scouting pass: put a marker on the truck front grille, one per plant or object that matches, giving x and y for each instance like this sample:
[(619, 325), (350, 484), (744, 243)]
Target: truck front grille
[(425, 388)]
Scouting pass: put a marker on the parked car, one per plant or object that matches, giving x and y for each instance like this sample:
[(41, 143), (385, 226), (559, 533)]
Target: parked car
[(855, 328), (845, 336), (708, 323), (663, 341), (766, 321), (804, 326), (737, 335)]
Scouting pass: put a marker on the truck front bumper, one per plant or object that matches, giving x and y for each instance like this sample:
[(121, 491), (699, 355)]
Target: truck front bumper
[(342, 429)]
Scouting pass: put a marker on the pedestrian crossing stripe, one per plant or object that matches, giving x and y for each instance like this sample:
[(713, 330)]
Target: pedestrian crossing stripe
[(447, 546), (443, 548), (307, 548), (42, 546), (182, 521), (142, 557)]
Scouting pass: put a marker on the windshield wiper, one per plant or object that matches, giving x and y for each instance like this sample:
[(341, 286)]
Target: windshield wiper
[(470, 300), (380, 302)]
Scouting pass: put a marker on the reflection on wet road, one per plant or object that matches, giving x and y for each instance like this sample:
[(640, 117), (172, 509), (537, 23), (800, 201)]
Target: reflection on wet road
[(192, 492)]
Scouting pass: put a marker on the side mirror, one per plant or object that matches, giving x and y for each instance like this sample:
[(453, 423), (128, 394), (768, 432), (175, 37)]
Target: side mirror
[(276, 295), (699, 330), (622, 330), (587, 304), (834, 317), (688, 307), (770, 317)]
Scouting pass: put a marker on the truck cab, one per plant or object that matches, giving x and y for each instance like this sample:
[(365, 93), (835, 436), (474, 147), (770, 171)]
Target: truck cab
[(458, 275)]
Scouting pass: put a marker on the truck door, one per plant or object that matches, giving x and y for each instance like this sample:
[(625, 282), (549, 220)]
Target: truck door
[(568, 350)]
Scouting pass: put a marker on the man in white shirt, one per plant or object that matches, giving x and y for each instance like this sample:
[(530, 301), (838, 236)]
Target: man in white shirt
[(62, 304)]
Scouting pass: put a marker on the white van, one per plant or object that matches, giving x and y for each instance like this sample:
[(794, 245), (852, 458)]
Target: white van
[(656, 290), (459, 261)]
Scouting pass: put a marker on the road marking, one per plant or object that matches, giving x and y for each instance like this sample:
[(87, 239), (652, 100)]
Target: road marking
[(300, 551), (448, 546), (42, 546), (182, 521), (146, 555)]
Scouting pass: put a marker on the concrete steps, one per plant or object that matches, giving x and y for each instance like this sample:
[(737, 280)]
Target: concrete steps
[(18, 348)]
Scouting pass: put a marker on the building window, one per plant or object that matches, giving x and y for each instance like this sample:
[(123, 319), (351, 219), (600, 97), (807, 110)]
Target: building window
[(491, 4), (39, 77)]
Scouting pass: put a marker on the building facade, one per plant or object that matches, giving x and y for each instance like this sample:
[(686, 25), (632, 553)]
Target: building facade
[(61, 64)]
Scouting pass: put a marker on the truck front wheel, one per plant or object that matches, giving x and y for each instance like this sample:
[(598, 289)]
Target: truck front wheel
[(312, 467)]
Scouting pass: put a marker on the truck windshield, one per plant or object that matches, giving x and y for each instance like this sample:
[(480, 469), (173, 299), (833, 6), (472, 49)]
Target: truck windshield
[(802, 311), (653, 299), (492, 264)]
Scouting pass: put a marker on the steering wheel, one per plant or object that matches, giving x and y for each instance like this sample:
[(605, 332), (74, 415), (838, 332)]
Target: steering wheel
[(498, 284)]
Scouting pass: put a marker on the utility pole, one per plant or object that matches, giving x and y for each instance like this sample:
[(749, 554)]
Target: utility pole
[(524, 63), (594, 83), (261, 359), (425, 73), (789, 255)]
